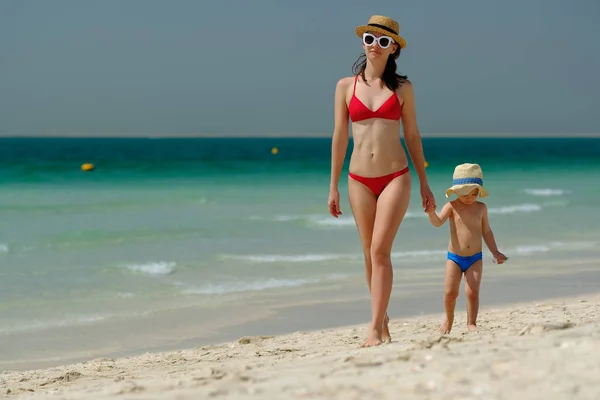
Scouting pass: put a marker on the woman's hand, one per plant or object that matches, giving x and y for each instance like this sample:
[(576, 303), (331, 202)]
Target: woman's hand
[(334, 203), (428, 200)]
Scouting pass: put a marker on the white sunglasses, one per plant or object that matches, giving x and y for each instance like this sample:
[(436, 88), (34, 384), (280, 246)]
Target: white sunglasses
[(384, 41)]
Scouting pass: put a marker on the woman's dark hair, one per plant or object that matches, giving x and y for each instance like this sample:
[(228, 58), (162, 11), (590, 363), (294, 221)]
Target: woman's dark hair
[(390, 78)]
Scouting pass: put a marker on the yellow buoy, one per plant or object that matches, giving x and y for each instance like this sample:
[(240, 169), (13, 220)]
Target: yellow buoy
[(87, 167), (426, 164), (274, 150)]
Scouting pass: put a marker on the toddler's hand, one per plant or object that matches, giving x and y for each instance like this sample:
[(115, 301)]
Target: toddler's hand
[(500, 258), (430, 210)]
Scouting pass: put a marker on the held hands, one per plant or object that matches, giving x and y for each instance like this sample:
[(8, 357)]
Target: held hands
[(428, 201), (334, 203), (431, 210)]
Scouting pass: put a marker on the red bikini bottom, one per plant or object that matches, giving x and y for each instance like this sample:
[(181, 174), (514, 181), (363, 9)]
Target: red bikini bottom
[(379, 183)]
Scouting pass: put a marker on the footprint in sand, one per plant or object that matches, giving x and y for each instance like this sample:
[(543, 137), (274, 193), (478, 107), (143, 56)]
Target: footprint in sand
[(253, 339), (539, 328)]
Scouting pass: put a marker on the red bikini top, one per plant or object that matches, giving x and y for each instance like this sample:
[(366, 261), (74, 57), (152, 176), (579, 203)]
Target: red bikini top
[(391, 109)]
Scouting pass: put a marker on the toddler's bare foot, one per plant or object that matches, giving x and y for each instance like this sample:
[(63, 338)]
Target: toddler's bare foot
[(472, 328), (385, 332), (374, 339), (446, 326)]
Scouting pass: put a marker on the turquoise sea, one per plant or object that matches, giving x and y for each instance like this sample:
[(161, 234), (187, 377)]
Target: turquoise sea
[(163, 224)]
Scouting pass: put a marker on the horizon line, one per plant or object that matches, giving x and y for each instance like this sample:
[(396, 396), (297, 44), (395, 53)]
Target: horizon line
[(291, 136)]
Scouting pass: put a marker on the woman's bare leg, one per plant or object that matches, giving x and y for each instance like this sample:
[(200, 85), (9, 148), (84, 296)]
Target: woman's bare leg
[(391, 208), (364, 204)]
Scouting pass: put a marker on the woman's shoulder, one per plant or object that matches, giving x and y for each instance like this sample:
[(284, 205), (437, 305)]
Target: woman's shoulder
[(344, 87), (345, 82), (405, 86)]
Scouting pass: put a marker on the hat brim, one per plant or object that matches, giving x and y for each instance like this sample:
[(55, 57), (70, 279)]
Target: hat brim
[(463, 190), (366, 28)]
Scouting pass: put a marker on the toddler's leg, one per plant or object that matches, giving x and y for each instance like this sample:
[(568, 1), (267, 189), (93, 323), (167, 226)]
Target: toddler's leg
[(451, 287), (472, 283)]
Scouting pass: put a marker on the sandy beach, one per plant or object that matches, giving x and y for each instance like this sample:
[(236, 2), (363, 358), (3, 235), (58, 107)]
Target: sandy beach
[(538, 350)]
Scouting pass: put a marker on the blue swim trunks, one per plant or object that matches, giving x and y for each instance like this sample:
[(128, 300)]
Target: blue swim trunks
[(464, 262)]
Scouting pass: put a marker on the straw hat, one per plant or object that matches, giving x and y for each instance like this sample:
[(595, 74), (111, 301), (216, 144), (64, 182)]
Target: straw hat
[(383, 25), (466, 178)]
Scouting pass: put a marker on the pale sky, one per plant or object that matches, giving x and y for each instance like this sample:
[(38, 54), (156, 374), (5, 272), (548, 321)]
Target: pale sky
[(264, 67)]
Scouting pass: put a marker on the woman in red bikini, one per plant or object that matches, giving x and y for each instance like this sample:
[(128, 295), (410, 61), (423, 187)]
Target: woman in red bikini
[(376, 100)]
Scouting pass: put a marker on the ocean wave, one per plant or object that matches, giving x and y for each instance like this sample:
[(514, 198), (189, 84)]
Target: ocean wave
[(3, 248), (77, 320), (153, 268), (327, 221), (269, 258), (280, 218), (330, 221), (524, 250), (321, 220), (418, 254), (514, 252), (307, 258), (527, 208), (577, 245), (529, 250), (256, 285), (546, 192), (532, 249), (236, 287)]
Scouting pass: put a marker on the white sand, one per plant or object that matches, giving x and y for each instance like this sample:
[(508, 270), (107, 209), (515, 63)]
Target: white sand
[(545, 350)]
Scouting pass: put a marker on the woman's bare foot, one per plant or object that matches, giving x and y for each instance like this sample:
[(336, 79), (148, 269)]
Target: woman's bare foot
[(385, 332), (374, 339), (446, 326), (472, 328)]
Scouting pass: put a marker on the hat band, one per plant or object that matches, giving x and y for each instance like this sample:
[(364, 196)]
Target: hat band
[(385, 28), (466, 181)]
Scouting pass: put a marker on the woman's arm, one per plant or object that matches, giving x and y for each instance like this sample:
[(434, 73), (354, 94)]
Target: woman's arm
[(412, 137), (339, 142)]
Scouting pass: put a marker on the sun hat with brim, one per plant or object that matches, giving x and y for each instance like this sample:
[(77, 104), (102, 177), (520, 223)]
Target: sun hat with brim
[(466, 178), (383, 25)]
